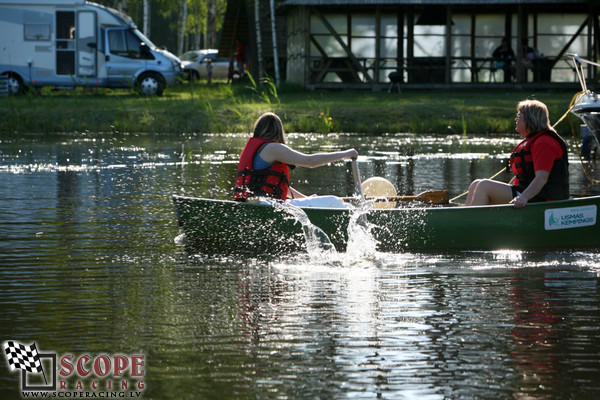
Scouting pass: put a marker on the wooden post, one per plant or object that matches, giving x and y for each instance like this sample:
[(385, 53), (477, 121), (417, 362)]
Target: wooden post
[(410, 41), (377, 47), (521, 32), (307, 56), (474, 55), (448, 45)]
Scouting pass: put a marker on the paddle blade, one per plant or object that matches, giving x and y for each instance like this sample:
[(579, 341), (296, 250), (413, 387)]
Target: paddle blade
[(434, 197), (379, 187)]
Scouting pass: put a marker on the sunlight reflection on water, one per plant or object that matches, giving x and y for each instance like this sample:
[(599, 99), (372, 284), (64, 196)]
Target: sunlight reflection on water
[(89, 265)]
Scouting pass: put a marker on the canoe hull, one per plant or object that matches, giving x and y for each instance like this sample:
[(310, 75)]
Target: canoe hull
[(234, 227), (216, 226), (489, 227)]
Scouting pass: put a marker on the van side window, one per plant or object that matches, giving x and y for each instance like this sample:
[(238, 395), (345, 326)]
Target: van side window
[(133, 45), (37, 31), (125, 44), (116, 42)]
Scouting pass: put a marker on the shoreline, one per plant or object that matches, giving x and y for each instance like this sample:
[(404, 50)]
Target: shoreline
[(221, 108)]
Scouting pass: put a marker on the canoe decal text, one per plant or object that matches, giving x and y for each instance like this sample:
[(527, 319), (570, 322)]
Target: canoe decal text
[(571, 217)]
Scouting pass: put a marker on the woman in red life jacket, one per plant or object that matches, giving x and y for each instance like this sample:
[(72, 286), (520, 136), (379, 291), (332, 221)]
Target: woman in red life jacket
[(540, 164), (264, 164)]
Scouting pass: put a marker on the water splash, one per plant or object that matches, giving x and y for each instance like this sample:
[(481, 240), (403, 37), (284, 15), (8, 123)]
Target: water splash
[(318, 244), (180, 239), (361, 243), (361, 247)]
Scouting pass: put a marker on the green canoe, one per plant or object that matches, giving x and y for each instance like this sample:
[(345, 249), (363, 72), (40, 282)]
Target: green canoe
[(218, 226)]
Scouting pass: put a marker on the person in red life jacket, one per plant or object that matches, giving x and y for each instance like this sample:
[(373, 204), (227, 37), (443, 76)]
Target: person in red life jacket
[(540, 164), (264, 167), (240, 57)]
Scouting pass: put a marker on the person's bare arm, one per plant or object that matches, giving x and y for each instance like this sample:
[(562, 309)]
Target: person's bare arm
[(274, 152)]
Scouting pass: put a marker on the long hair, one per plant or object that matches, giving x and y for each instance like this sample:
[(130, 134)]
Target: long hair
[(535, 114), (269, 126)]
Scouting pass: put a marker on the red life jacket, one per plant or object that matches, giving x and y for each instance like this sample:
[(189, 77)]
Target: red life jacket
[(521, 162), (271, 182)]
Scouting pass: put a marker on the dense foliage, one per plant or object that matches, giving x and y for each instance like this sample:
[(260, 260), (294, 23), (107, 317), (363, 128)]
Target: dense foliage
[(166, 18)]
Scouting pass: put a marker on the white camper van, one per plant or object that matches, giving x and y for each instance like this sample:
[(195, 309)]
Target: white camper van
[(68, 43)]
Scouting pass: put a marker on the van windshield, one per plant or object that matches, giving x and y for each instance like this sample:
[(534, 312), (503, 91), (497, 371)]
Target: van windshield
[(190, 56), (144, 39)]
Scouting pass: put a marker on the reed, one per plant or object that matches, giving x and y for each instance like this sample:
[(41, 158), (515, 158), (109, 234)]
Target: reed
[(218, 107)]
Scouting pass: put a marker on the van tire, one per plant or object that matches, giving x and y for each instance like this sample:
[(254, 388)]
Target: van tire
[(15, 85), (151, 84)]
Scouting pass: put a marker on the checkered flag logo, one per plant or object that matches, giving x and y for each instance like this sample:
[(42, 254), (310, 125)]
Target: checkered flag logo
[(23, 357)]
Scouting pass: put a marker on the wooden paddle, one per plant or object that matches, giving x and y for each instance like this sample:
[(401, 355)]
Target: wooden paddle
[(431, 197)]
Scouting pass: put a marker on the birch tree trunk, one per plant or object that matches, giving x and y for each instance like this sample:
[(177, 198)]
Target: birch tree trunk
[(275, 55), (197, 21), (258, 40), (147, 18), (182, 24), (211, 24)]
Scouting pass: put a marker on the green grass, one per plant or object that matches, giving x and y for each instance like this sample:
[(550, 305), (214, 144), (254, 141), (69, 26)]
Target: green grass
[(202, 108)]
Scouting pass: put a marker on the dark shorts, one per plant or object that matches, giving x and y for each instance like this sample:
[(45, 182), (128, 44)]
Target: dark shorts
[(517, 192)]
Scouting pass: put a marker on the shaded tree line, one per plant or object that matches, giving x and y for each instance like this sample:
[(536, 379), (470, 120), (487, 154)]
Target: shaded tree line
[(178, 25)]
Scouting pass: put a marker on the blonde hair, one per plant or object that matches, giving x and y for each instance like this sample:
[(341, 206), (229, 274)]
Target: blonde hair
[(535, 114), (269, 126)]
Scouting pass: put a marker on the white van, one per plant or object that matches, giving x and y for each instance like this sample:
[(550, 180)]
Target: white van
[(68, 43)]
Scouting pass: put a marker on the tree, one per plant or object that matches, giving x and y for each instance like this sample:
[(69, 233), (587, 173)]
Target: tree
[(183, 12), (195, 25), (146, 28), (211, 25), (177, 25), (274, 31), (258, 39)]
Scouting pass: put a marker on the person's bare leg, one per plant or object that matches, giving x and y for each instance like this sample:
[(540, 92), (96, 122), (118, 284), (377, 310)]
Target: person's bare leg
[(491, 192), (472, 188)]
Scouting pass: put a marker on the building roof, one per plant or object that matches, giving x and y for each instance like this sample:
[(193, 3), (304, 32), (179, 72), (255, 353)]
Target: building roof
[(427, 2)]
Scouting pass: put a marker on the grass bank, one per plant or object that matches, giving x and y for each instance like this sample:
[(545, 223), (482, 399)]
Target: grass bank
[(202, 108)]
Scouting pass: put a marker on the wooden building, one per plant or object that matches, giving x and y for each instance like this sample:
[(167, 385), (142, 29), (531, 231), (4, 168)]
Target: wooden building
[(437, 43)]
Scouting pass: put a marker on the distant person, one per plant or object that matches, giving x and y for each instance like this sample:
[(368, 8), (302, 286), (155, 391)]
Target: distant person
[(540, 164), (264, 165), (503, 59), (240, 57), (230, 72), (209, 68), (528, 54)]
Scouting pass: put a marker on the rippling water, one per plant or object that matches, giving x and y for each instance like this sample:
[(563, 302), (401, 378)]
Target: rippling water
[(89, 264)]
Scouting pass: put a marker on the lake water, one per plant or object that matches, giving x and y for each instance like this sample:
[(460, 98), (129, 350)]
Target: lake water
[(90, 264)]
